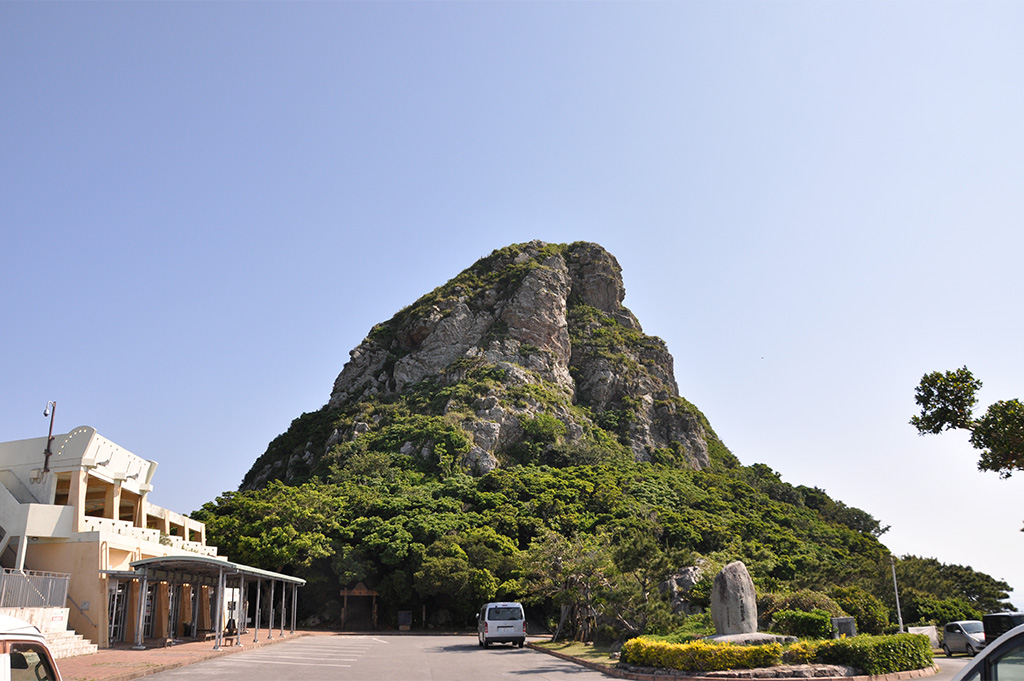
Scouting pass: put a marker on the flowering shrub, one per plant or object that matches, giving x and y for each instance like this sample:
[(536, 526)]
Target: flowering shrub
[(872, 655), (801, 652), (699, 656)]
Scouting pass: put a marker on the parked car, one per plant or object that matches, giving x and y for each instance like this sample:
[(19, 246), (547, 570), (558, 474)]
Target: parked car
[(501, 623), (1001, 660), (998, 623), (964, 636), (24, 655)]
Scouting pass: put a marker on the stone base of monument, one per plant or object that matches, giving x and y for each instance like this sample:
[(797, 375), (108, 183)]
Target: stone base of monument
[(756, 638), (798, 671)]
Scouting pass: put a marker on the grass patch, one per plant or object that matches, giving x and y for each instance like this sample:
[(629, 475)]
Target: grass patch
[(598, 654)]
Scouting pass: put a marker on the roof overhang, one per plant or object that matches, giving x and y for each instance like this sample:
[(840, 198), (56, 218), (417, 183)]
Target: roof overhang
[(203, 570)]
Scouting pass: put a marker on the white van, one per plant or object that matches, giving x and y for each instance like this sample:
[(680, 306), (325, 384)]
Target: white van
[(24, 655), (501, 623)]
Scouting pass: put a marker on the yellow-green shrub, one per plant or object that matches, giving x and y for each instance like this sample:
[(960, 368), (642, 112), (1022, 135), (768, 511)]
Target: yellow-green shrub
[(699, 656), (801, 652)]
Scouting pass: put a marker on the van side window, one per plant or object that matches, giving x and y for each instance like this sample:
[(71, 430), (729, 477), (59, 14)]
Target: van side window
[(29, 662)]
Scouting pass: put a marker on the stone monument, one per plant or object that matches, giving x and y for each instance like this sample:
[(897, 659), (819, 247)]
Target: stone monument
[(734, 601)]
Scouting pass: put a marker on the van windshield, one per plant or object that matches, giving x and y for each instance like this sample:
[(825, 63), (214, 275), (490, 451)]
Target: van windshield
[(972, 627), (505, 614)]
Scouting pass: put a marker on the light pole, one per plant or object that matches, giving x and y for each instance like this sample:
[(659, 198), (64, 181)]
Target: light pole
[(899, 614), (51, 411)]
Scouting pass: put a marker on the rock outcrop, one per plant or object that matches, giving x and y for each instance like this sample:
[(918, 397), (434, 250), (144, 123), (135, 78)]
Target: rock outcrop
[(532, 331)]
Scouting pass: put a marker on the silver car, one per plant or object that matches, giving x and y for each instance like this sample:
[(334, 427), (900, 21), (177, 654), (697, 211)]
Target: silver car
[(964, 636), (1001, 660)]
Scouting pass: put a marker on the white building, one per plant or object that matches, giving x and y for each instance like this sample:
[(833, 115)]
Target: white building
[(83, 511)]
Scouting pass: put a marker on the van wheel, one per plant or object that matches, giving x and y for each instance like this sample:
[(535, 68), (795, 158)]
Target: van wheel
[(971, 651), (487, 644), (522, 643), (945, 649)]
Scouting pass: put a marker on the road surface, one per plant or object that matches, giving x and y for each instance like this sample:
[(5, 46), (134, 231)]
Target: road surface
[(384, 658)]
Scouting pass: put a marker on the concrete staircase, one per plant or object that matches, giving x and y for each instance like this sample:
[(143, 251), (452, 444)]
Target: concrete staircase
[(53, 622), (69, 644)]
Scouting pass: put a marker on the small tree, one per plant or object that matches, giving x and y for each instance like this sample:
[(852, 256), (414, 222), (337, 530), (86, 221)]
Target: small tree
[(574, 573), (947, 401)]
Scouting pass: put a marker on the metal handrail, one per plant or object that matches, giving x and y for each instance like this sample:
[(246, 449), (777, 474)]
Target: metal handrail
[(80, 611)]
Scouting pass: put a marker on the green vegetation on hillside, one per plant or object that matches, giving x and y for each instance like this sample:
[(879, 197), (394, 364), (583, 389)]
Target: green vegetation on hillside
[(591, 538), (599, 488)]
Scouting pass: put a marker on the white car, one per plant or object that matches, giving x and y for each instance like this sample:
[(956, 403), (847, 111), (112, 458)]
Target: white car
[(1001, 660), (26, 656)]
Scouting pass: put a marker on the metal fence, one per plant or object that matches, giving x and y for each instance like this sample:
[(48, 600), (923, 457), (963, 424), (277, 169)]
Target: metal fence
[(30, 589)]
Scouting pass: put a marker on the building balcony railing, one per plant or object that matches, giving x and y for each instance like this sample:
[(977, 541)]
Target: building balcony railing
[(125, 528)]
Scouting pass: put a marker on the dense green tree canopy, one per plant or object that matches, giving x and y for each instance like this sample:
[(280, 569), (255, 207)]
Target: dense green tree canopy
[(594, 538)]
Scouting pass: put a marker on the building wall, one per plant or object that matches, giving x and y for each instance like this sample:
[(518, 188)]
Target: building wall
[(81, 560), (88, 513)]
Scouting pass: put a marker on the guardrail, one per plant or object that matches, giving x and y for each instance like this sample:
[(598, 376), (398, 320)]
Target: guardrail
[(31, 589)]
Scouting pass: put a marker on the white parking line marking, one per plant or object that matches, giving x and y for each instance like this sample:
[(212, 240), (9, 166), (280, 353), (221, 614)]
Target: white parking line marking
[(301, 657), (294, 664)]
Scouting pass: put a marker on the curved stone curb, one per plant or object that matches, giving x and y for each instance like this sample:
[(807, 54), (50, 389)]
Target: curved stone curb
[(618, 673)]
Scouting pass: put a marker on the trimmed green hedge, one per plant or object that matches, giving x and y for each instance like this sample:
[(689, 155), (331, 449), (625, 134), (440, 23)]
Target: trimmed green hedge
[(879, 654), (871, 654), (814, 624)]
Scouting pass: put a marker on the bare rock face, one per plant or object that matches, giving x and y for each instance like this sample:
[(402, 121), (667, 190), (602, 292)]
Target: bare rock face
[(678, 588), (548, 322), (734, 601)]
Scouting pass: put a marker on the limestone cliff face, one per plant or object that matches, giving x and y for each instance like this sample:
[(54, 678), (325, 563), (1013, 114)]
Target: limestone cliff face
[(532, 330)]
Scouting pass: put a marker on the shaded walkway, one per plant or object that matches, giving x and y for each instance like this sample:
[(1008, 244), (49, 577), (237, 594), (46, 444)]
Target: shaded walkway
[(122, 662)]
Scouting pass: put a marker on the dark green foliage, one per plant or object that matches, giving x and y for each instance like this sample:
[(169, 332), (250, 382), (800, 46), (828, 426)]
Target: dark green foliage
[(870, 614), (813, 624), (876, 655), (1000, 436), (424, 538), (386, 500), (946, 400), (804, 600), (923, 609), (962, 587)]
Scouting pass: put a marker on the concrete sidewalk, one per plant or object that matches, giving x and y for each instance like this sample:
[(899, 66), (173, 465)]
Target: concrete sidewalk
[(121, 663)]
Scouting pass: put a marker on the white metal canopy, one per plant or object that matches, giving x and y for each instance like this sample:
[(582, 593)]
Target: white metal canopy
[(215, 572)]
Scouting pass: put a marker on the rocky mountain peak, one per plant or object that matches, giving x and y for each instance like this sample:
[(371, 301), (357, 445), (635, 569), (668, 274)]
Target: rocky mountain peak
[(526, 356)]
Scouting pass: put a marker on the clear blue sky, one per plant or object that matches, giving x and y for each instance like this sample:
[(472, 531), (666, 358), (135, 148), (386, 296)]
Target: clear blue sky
[(205, 206)]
